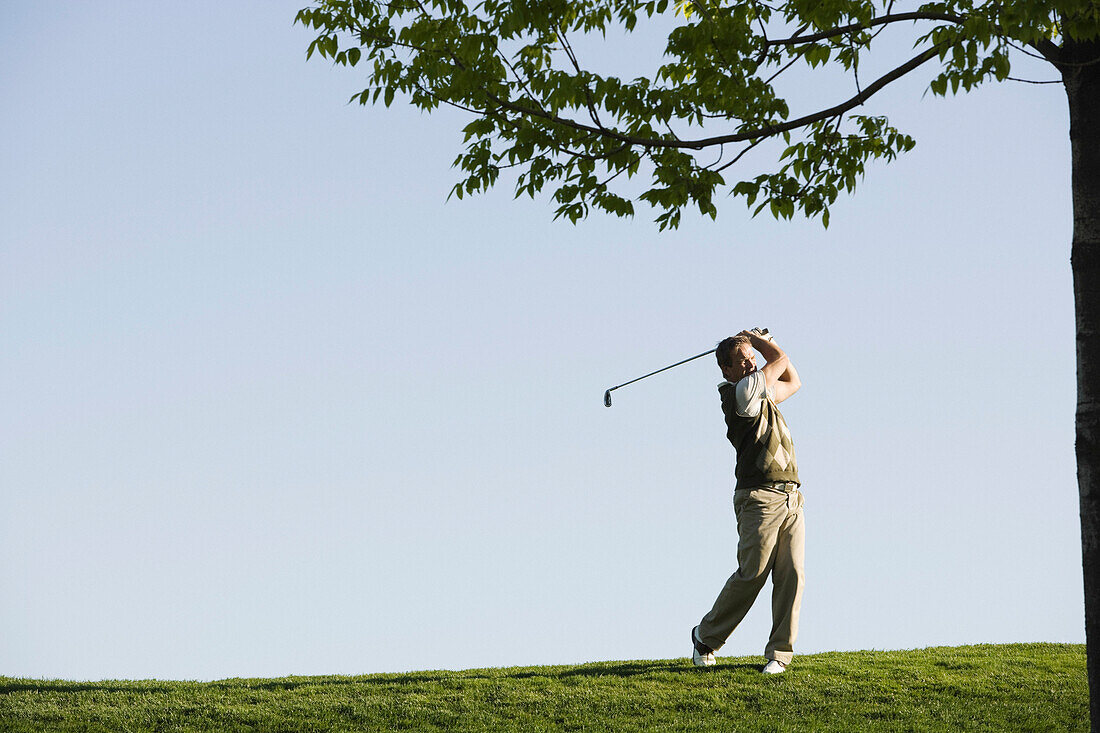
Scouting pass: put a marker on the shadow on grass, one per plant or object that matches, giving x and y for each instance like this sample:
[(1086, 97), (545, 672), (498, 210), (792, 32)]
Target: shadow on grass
[(622, 670)]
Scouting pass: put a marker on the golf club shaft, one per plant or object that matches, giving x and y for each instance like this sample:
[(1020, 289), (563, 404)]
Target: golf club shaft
[(607, 394)]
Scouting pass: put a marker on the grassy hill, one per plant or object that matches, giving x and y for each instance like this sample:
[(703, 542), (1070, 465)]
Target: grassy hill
[(990, 687)]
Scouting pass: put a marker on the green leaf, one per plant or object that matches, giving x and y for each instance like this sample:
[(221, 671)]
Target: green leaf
[(505, 63)]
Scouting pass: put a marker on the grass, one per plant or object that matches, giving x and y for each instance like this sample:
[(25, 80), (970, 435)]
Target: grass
[(1032, 687)]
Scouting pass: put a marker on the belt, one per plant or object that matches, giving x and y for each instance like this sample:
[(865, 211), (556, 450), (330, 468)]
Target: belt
[(784, 486)]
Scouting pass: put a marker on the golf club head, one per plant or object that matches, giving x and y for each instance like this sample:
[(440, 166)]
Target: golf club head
[(607, 398)]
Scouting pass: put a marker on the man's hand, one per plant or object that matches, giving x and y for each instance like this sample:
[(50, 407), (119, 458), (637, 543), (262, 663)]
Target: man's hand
[(757, 337), (779, 373)]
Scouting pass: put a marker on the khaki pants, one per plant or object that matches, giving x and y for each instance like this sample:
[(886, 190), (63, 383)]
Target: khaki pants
[(771, 535)]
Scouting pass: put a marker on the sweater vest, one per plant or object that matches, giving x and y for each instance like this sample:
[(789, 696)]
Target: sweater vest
[(765, 451)]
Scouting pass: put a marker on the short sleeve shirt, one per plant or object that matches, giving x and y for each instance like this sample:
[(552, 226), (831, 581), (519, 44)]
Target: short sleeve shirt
[(751, 392)]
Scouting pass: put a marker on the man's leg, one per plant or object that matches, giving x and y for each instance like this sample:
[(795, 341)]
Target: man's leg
[(760, 513), (788, 578)]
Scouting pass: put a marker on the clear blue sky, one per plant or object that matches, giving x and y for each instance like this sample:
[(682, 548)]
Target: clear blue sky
[(272, 405)]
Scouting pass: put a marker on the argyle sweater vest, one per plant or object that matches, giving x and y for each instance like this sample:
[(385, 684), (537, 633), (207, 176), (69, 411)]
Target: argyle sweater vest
[(765, 452)]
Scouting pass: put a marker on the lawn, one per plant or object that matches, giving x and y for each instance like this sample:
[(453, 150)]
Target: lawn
[(1033, 687)]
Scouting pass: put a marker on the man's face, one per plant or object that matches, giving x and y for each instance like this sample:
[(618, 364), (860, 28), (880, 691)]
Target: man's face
[(744, 363)]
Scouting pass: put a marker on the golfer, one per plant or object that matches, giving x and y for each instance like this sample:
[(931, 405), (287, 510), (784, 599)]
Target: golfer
[(766, 500)]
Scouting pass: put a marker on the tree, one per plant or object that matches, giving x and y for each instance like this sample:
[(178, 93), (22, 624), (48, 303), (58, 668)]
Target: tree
[(513, 65)]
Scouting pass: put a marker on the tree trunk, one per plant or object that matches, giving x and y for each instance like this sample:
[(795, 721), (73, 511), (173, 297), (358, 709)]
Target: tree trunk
[(1082, 81)]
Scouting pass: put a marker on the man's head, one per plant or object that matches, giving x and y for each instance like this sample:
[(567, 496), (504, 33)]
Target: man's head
[(736, 357)]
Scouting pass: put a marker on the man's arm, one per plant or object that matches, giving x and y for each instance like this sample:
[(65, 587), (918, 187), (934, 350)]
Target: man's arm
[(787, 384), (779, 373)]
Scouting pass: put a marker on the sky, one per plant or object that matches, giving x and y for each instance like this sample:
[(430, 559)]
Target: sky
[(273, 405)]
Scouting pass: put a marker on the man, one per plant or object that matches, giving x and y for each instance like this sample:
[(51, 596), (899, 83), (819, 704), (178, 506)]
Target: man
[(766, 500)]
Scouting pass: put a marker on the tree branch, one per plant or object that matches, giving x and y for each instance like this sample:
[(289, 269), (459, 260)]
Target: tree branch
[(768, 131), (741, 154), (1031, 81), (1049, 50), (852, 27), (577, 67)]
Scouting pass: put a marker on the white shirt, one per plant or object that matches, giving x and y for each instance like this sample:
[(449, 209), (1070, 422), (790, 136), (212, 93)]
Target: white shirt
[(750, 393)]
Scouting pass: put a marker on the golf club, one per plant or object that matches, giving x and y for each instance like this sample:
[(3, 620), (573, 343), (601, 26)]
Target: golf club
[(607, 394)]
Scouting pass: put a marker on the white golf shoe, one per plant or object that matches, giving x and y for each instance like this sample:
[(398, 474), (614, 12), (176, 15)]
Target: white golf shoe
[(774, 667), (701, 654)]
